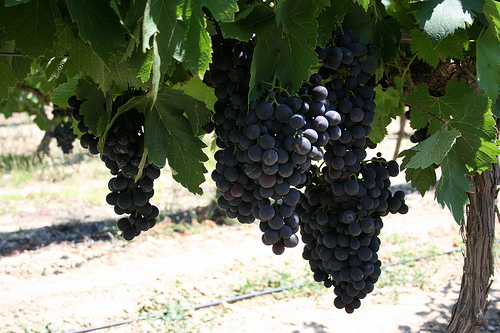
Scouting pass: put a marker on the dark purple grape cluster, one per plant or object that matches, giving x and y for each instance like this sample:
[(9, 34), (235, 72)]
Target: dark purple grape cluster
[(267, 164), (64, 135), (62, 131), (121, 153), (340, 222), (344, 202), (254, 173)]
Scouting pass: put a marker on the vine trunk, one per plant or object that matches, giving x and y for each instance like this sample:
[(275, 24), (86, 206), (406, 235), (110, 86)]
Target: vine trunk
[(478, 232)]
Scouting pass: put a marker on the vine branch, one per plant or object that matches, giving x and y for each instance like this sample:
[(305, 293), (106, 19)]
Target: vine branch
[(35, 92)]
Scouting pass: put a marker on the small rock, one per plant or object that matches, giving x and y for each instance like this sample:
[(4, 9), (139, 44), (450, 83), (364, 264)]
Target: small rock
[(491, 328)]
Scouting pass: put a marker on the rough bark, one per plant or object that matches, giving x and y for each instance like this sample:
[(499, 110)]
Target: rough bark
[(478, 232)]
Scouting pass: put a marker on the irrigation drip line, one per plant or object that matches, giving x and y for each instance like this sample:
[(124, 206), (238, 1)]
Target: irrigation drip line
[(250, 295)]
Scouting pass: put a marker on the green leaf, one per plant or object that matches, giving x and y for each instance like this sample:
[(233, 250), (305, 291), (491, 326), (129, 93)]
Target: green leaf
[(388, 101), (92, 108), (282, 48), (329, 17), (477, 143), (160, 22), (379, 127), (8, 80), (492, 13), (453, 186), (61, 94), (118, 74), (257, 16), (222, 10), (21, 67), (363, 3), (170, 135), (488, 63), (440, 18), (433, 149), (443, 107), (201, 92), (31, 25), (422, 46), (476, 118), (197, 42), (146, 65), (452, 46), (421, 179), (99, 25)]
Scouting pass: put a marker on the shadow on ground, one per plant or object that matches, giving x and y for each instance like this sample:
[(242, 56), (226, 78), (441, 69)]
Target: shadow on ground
[(71, 231), (318, 328), (442, 313)]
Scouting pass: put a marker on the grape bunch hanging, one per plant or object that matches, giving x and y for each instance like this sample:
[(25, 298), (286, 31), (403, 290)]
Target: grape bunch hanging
[(62, 132), (121, 153), (297, 162)]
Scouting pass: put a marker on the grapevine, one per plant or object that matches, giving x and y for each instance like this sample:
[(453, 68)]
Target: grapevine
[(294, 108)]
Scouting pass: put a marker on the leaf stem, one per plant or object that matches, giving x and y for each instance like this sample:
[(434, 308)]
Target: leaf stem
[(425, 110)]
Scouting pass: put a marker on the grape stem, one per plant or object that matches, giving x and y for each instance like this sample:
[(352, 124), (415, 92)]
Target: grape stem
[(425, 110)]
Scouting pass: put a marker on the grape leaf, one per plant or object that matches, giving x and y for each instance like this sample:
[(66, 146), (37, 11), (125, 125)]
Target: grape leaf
[(160, 22), (31, 25), (197, 42), (492, 13), (170, 135), (92, 108), (222, 10), (379, 127), (61, 94), (99, 25), (388, 101), (449, 47), (329, 17), (248, 22), (453, 46), (200, 91), (422, 46), (440, 18), (488, 63), (421, 179), (433, 149), (118, 74), (443, 107), (476, 144), (281, 48), (8, 80), (453, 186), (21, 67), (363, 3)]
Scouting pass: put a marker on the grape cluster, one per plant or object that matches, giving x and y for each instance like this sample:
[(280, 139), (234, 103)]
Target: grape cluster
[(343, 204), (62, 132), (253, 173), (267, 146), (267, 165), (121, 153)]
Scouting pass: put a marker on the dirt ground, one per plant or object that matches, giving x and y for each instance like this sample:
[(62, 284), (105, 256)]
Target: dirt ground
[(87, 277)]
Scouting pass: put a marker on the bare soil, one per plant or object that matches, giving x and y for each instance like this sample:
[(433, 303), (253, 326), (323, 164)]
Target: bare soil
[(62, 274)]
